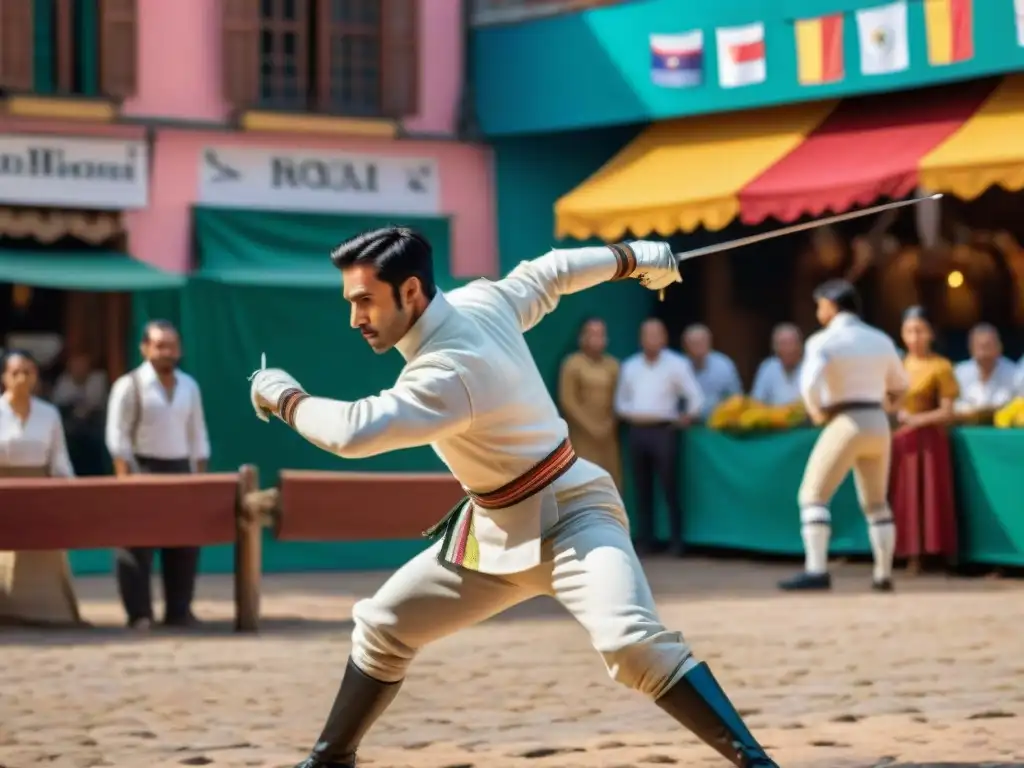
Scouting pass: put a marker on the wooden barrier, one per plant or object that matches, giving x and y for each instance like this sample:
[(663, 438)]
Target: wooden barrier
[(361, 506), (143, 511)]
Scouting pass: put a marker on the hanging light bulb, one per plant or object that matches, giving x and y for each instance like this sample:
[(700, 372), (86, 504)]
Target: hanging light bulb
[(21, 297)]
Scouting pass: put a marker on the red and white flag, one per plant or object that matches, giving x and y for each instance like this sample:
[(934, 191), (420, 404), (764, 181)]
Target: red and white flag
[(741, 55)]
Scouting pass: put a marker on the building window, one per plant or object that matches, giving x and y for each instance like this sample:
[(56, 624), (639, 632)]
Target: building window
[(356, 58), (68, 47)]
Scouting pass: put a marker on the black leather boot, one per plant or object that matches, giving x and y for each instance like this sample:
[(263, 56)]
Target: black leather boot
[(699, 703), (360, 701)]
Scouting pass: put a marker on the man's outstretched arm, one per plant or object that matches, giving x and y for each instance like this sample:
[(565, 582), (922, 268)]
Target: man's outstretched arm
[(534, 287), (428, 402)]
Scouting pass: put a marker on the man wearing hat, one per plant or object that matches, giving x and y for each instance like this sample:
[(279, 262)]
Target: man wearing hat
[(851, 375)]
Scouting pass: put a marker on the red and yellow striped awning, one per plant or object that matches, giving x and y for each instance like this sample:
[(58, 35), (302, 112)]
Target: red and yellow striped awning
[(679, 175), (987, 151), (810, 159)]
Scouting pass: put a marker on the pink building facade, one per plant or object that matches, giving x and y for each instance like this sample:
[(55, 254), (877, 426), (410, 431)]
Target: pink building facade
[(181, 143)]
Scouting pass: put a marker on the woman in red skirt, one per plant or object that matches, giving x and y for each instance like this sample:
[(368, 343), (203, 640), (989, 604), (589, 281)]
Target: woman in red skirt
[(921, 478)]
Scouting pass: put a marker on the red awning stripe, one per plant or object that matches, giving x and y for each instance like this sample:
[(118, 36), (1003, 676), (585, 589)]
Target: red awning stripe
[(868, 148)]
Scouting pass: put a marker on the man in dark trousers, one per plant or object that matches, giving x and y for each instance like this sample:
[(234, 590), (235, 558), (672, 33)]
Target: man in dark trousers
[(652, 385), (155, 424)]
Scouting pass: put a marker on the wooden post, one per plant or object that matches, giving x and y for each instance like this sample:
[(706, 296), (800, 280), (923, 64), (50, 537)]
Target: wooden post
[(248, 552)]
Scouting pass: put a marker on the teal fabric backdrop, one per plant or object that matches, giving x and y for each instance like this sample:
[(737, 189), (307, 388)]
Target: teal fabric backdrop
[(592, 68), (265, 284), (532, 173)]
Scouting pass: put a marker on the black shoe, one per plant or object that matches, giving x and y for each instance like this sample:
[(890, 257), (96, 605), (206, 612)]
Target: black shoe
[(882, 585), (807, 582), (360, 701), (677, 549), (698, 703), (187, 621)]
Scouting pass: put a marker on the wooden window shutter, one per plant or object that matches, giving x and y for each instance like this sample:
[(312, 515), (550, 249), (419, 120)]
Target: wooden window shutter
[(16, 52), (240, 43), (119, 46), (400, 55)]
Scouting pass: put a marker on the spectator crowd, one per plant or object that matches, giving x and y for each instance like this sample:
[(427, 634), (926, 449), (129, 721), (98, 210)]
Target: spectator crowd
[(659, 391)]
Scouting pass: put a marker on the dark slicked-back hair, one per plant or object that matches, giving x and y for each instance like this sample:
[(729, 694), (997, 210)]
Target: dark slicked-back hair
[(841, 293), (396, 253), (157, 325)]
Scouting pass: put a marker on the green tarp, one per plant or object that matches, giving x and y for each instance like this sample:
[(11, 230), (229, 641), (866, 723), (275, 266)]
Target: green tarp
[(292, 250), (265, 283), (83, 271)]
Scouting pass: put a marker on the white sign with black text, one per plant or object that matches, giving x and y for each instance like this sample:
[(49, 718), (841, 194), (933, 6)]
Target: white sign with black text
[(105, 174), (297, 180)]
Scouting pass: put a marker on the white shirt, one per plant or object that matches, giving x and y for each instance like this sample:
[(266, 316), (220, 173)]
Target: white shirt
[(38, 442), (849, 361), (718, 379), (1019, 379), (172, 428), (653, 391), (774, 385), (471, 389), (977, 394)]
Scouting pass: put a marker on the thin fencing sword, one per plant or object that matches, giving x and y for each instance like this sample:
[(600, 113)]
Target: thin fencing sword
[(759, 238)]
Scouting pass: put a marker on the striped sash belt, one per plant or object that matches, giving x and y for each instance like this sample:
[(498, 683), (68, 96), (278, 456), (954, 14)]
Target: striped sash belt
[(536, 479)]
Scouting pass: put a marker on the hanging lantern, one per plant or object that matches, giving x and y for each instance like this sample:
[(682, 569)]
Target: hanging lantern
[(21, 297)]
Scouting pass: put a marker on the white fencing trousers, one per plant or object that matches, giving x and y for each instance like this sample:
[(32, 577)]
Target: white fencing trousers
[(589, 567)]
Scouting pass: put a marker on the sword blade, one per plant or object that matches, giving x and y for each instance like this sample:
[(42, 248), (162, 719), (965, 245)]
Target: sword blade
[(752, 239)]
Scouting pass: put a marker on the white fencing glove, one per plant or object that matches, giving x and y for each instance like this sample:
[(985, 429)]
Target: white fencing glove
[(652, 263), (275, 392)]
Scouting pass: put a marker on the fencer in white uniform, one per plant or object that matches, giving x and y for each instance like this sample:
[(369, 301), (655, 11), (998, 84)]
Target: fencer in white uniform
[(535, 520), (850, 376)]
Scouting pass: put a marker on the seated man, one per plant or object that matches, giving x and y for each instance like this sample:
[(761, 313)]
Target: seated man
[(777, 381), (987, 380)]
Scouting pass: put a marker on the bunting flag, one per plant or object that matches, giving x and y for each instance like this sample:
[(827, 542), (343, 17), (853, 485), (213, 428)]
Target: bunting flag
[(882, 32), (677, 61), (950, 29), (819, 49), (741, 55)]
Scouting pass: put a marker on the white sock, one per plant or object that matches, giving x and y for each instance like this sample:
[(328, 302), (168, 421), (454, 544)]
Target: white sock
[(882, 533), (816, 529)]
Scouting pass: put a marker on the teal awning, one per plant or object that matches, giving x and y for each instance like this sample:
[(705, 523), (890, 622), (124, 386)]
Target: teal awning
[(292, 250), (83, 271)]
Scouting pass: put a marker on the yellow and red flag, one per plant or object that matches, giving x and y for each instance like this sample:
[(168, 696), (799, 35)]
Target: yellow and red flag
[(950, 30), (819, 49)]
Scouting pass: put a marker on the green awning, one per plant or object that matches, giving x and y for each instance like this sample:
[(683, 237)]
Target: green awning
[(292, 250), (83, 271)]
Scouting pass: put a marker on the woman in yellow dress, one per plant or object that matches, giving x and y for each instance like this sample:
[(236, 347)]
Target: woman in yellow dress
[(921, 479), (586, 395)]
